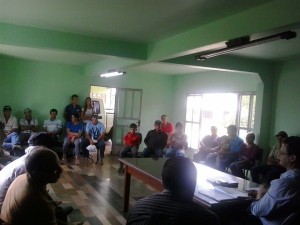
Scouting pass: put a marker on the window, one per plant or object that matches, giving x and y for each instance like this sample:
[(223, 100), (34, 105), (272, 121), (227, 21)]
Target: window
[(221, 110)]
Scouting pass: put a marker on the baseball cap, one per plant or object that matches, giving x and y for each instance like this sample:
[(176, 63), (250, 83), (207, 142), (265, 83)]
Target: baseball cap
[(27, 110), (95, 115), (281, 134), (6, 108), (157, 122)]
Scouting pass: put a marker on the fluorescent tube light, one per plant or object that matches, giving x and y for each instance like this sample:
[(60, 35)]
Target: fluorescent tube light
[(233, 45), (113, 74)]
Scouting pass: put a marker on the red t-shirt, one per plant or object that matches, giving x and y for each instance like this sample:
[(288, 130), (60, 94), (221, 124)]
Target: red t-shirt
[(167, 128), (131, 139)]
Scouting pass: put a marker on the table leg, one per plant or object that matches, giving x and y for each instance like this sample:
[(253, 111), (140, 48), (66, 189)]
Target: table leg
[(127, 177)]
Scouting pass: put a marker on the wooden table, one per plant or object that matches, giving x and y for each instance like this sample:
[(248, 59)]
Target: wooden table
[(149, 171)]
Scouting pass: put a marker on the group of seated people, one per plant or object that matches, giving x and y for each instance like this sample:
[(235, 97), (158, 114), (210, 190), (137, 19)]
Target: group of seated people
[(81, 130), (273, 205), (161, 141), (230, 153)]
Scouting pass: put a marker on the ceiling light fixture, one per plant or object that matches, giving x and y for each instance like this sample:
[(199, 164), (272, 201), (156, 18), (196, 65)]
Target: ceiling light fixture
[(244, 42), (113, 73)]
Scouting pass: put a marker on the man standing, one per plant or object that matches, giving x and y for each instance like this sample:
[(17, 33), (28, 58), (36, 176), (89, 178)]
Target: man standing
[(73, 108), (166, 126), (283, 196), (28, 125), (95, 132), (156, 141), (11, 140)]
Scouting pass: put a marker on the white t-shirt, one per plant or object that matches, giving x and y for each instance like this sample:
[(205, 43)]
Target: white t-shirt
[(88, 112), (24, 122), (52, 125), (12, 123)]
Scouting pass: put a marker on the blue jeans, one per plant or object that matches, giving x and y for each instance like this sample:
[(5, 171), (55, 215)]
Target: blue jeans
[(67, 142), (125, 150), (174, 152), (11, 140), (158, 153)]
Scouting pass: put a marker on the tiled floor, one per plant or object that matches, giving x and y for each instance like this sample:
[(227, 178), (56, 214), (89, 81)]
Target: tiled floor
[(95, 191)]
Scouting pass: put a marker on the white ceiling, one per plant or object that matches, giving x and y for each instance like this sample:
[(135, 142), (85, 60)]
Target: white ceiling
[(137, 21)]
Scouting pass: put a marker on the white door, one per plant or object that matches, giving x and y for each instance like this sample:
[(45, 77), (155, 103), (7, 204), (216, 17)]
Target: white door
[(127, 110)]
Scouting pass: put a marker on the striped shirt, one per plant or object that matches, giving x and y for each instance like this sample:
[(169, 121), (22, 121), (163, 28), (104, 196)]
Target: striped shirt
[(165, 209)]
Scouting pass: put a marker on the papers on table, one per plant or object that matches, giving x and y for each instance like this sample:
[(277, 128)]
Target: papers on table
[(219, 193)]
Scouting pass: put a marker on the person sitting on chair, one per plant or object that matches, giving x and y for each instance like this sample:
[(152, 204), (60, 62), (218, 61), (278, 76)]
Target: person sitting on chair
[(74, 130), (175, 204), (94, 135), (177, 142), (132, 141), (27, 200), (283, 196), (156, 141), (273, 170), (16, 168), (249, 154), (209, 144)]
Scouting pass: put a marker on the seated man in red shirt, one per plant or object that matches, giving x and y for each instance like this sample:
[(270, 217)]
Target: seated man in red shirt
[(132, 141), (249, 153), (166, 126)]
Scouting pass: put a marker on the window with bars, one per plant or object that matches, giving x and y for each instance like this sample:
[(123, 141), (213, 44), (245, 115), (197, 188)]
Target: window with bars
[(221, 110)]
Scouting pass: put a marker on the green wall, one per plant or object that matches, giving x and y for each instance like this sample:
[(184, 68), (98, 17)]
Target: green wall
[(287, 108), (42, 86)]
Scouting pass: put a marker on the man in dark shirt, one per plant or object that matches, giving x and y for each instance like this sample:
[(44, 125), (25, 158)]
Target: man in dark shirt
[(73, 108), (175, 204), (156, 141)]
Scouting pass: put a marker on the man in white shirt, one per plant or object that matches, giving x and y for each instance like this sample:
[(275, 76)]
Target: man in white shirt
[(11, 140), (53, 126), (28, 125)]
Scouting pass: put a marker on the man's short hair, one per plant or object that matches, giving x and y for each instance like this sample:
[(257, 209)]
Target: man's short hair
[(293, 146), (157, 122), (163, 116), (41, 162), (53, 110), (178, 124), (41, 139), (6, 108), (179, 175), (74, 96), (232, 128), (133, 125)]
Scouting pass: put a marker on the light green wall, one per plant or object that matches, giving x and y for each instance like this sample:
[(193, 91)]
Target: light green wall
[(42, 86), (217, 82), (287, 108)]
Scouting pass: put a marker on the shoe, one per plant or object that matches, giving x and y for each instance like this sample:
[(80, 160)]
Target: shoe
[(77, 162)]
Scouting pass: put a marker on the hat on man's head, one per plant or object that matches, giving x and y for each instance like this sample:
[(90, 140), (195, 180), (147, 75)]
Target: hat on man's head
[(281, 134), (157, 122), (27, 110), (95, 115), (41, 139), (6, 108)]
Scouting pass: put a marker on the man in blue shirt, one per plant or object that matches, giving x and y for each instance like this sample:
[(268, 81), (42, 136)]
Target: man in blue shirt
[(95, 132), (274, 205), (72, 109), (235, 147)]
